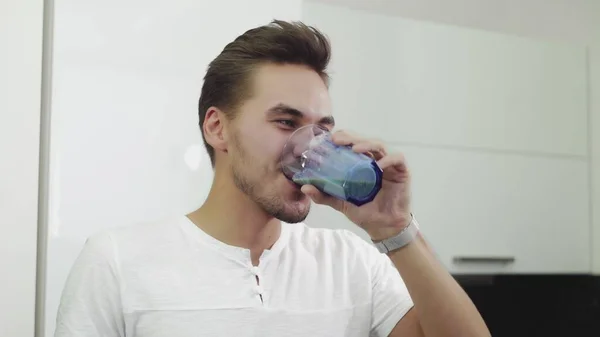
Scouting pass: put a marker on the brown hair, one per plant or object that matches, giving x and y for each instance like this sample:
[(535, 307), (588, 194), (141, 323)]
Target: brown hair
[(227, 80)]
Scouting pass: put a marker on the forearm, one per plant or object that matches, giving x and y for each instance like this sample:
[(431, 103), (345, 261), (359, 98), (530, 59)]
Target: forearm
[(443, 308)]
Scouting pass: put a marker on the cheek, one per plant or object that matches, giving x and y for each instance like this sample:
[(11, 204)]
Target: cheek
[(271, 143), (263, 152), (263, 145)]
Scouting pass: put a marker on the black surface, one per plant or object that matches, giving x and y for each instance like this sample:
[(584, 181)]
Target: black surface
[(537, 305)]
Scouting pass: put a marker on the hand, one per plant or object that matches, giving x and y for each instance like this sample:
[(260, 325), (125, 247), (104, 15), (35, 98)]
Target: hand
[(389, 213)]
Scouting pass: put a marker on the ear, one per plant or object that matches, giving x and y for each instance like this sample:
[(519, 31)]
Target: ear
[(215, 129)]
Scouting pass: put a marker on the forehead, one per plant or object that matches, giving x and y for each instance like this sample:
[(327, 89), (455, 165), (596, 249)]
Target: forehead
[(296, 86)]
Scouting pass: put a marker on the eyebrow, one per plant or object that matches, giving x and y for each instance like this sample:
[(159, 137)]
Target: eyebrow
[(282, 109)]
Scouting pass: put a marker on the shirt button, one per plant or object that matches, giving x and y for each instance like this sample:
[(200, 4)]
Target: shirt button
[(255, 270), (259, 290)]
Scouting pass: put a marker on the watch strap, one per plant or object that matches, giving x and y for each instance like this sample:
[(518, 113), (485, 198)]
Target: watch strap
[(406, 236)]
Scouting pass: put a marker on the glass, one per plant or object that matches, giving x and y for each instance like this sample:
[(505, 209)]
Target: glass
[(310, 157)]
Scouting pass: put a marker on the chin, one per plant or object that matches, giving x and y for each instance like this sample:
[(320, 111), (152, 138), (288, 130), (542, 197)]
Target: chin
[(292, 218), (295, 211)]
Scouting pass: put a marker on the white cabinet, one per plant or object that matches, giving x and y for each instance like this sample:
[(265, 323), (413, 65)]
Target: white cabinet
[(494, 128), (502, 213), (125, 144), (421, 83), (495, 213), (21, 38)]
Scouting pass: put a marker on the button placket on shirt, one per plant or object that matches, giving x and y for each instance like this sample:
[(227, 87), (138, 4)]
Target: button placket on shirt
[(258, 289)]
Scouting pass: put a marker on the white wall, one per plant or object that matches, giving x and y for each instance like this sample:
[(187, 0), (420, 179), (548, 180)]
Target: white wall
[(493, 125), (567, 20), (126, 146), (20, 92), (573, 21), (20, 66)]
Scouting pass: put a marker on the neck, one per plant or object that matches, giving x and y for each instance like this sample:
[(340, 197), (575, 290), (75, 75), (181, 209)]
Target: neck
[(230, 216)]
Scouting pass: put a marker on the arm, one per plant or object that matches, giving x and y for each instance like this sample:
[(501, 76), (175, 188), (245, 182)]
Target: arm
[(441, 307), (90, 305)]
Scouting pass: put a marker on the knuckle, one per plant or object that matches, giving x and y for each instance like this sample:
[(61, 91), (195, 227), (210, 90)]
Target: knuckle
[(341, 132)]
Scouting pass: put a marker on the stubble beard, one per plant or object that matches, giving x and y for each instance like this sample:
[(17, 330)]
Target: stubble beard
[(271, 204)]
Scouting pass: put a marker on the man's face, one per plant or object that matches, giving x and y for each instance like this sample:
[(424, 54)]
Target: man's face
[(284, 98)]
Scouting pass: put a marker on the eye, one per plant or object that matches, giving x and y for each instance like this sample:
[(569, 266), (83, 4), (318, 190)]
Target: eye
[(287, 123)]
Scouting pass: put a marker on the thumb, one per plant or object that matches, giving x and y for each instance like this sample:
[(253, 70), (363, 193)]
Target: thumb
[(321, 198)]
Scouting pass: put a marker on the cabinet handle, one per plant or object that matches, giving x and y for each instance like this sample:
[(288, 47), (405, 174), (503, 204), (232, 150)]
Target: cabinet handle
[(484, 259)]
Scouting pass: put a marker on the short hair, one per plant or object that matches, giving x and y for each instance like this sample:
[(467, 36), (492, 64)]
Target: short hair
[(227, 83)]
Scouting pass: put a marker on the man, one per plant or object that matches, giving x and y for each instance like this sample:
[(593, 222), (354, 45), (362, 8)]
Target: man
[(242, 264)]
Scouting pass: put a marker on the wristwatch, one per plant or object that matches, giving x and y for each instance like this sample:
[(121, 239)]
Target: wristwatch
[(405, 237)]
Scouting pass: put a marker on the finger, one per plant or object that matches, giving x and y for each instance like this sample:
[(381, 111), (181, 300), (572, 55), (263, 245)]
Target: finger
[(374, 149), (394, 168), (393, 160), (321, 198), (343, 137), (369, 154)]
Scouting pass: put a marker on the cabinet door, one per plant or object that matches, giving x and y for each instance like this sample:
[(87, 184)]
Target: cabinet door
[(502, 213), (125, 144), (494, 128), (423, 83), (495, 213)]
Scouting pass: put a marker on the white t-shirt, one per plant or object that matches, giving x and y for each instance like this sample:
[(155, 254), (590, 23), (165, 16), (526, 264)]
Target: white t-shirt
[(171, 279)]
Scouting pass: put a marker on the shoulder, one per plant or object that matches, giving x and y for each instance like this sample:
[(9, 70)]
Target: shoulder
[(143, 237), (307, 234), (146, 231), (338, 241)]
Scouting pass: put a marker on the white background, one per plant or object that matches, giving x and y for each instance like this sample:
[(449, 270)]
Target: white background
[(20, 37), (494, 128), (20, 97), (574, 21), (125, 144)]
